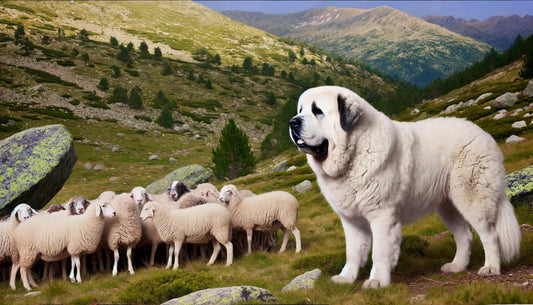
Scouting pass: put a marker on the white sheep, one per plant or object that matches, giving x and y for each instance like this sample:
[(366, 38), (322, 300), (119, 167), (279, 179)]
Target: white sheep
[(122, 230), (56, 236), (263, 212), (149, 232), (20, 213), (198, 224)]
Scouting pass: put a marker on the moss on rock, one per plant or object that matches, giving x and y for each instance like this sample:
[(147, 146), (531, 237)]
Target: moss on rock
[(34, 165)]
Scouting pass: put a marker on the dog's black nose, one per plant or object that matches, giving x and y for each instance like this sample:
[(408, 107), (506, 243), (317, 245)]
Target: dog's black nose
[(295, 122)]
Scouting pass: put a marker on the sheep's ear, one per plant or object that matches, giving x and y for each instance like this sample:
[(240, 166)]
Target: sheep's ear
[(149, 197), (98, 210), (86, 203), (15, 210), (33, 211)]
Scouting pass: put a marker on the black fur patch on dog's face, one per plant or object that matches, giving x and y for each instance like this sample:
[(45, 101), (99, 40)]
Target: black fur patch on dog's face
[(348, 115)]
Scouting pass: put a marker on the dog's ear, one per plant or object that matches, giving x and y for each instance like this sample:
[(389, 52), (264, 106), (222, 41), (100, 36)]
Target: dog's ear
[(348, 112)]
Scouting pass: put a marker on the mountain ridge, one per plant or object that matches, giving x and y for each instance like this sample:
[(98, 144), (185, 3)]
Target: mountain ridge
[(383, 38)]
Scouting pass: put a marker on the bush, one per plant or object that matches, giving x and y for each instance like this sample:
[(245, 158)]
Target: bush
[(104, 84), (166, 285)]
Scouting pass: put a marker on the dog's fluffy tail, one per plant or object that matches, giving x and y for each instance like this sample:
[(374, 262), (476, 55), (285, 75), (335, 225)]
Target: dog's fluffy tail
[(508, 231)]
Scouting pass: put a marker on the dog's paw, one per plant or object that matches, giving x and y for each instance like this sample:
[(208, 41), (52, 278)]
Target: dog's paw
[(489, 271), (372, 284), (452, 268), (341, 279)]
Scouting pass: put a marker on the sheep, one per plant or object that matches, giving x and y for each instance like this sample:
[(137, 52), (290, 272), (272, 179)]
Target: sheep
[(263, 212), (56, 236), (198, 224), (20, 213), (75, 206), (122, 230)]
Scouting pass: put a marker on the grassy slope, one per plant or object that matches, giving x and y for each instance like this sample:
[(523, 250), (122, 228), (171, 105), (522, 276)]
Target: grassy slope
[(322, 235)]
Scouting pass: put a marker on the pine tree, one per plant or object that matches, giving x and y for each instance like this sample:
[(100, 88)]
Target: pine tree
[(165, 119), (161, 101), (527, 68), (157, 52), (233, 157), (135, 99), (104, 84), (19, 33), (113, 41), (144, 50)]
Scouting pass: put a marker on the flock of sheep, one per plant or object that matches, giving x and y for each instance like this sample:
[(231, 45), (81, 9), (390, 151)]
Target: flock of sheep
[(112, 221)]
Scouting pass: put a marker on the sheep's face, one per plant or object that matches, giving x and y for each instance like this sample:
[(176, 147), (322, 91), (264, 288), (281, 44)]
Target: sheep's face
[(105, 210), (226, 193), (22, 212), (77, 205), (177, 189), (147, 211), (140, 196)]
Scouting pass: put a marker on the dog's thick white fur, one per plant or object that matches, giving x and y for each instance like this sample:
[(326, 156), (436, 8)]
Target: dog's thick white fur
[(378, 174)]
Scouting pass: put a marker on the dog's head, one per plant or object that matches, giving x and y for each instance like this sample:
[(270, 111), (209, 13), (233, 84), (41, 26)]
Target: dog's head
[(326, 117)]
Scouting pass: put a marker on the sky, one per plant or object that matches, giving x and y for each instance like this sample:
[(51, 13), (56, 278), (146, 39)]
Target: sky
[(479, 10)]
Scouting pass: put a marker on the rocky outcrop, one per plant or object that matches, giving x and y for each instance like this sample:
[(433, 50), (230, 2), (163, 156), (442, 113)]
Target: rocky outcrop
[(225, 296), (191, 175), (34, 165)]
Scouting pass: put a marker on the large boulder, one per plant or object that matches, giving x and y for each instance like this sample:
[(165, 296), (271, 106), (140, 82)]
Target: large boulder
[(520, 186), (191, 175), (529, 89), (34, 165), (225, 296)]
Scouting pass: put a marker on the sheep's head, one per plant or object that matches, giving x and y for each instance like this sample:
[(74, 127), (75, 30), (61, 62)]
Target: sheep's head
[(77, 205), (177, 189), (148, 211), (22, 212), (105, 209), (140, 195), (227, 192)]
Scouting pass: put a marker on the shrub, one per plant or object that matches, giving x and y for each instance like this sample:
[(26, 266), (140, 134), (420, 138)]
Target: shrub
[(166, 285), (165, 119), (104, 84)]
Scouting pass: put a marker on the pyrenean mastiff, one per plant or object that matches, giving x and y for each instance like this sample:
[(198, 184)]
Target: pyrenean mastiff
[(378, 174)]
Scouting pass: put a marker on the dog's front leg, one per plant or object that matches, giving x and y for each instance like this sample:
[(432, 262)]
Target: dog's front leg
[(357, 234), (387, 236)]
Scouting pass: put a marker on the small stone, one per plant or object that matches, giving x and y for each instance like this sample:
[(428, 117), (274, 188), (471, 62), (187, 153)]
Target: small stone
[(197, 137), (500, 114), (280, 167), (115, 149), (153, 158), (98, 167), (304, 281), (88, 166), (172, 160), (514, 139), (303, 187), (291, 168), (519, 124), (113, 179)]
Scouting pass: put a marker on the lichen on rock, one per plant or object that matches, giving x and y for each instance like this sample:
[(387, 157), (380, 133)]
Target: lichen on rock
[(34, 165)]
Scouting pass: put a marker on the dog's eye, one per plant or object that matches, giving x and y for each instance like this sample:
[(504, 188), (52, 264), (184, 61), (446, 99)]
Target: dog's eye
[(317, 111)]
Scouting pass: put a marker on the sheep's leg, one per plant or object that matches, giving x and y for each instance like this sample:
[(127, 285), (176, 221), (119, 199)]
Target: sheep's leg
[(24, 277), (216, 250), (249, 239), (296, 234), (76, 260), (170, 253), (14, 269), (229, 253), (115, 264), (72, 267), (177, 249), (152, 255), (45, 271), (130, 264), (31, 280), (64, 268), (285, 240)]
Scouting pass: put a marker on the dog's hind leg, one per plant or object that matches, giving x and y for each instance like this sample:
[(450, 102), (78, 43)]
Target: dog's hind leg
[(462, 235)]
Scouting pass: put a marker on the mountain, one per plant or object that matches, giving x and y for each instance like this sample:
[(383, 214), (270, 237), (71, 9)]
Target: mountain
[(66, 52), (386, 39), (498, 31)]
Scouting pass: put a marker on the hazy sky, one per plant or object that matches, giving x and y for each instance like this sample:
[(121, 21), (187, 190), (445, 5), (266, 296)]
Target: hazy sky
[(480, 10)]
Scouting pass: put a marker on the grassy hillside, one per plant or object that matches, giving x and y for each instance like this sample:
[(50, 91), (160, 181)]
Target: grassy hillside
[(97, 132)]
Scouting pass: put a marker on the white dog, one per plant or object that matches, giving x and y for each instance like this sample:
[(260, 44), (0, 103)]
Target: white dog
[(378, 174)]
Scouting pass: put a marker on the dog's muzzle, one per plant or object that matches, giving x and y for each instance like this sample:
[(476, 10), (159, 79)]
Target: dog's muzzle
[(319, 151)]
